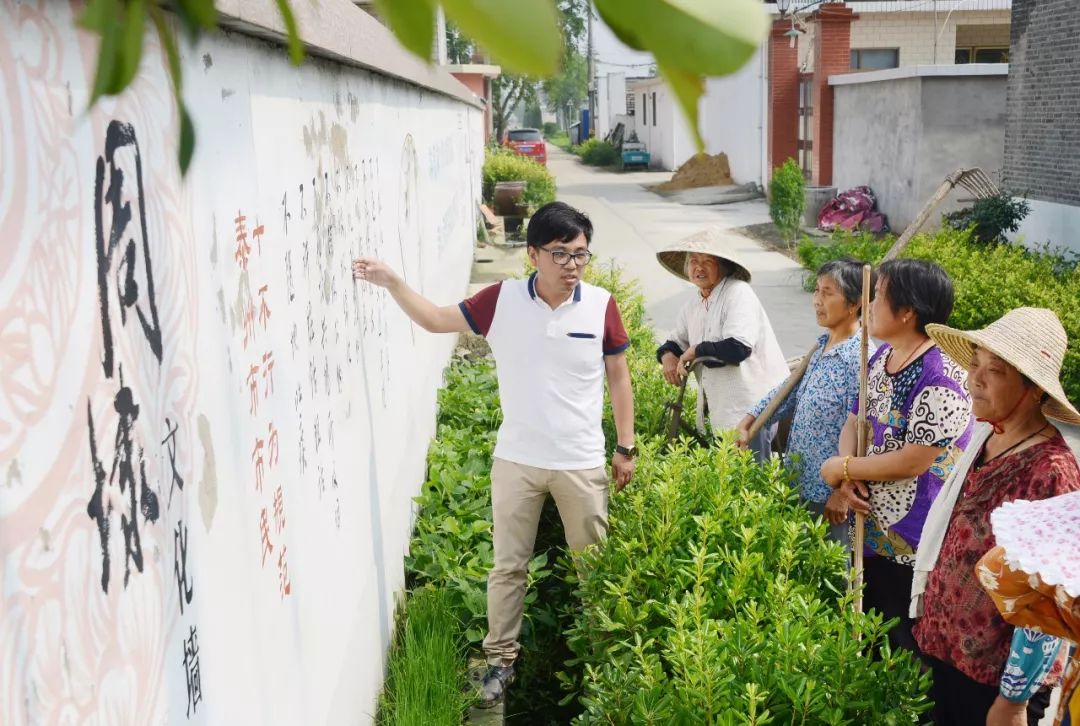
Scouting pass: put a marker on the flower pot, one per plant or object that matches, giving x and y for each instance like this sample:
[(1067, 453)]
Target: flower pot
[(508, 198)]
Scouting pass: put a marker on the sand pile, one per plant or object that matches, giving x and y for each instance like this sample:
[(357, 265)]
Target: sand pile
[(701, 170)]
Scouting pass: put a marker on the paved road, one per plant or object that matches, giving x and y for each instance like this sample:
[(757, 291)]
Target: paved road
[(632, 224)]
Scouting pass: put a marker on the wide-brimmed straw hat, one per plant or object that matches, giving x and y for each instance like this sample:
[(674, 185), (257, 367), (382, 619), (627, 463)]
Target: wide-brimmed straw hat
[(1031, 340), (711, 241)]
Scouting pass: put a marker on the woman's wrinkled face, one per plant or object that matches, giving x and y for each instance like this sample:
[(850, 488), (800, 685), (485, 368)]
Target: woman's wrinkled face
[(704, 270), (830, 306), (995, 386)]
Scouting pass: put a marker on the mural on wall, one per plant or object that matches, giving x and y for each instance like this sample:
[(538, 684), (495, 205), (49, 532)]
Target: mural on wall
[(209, 435)]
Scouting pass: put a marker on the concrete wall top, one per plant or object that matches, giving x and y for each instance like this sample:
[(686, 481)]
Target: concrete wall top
[(340, 31), (906, 6), (927, 71)]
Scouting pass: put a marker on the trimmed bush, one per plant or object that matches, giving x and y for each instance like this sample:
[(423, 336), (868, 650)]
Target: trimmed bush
[(989, 281), (597, 152), (715, 599), (550, 129), (504, 165), (787, 200)]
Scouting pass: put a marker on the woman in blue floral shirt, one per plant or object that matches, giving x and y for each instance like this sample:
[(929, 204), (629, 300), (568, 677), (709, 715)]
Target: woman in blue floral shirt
[(820, 405)]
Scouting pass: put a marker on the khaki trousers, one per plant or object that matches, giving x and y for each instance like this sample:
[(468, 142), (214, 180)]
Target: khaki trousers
[(517, 498)]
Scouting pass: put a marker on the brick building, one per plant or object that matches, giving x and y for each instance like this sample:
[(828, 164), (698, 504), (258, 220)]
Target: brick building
[(1042, 134)]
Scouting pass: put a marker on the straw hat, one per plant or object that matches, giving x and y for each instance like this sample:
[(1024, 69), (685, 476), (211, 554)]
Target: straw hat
[(1031, 340), (708, 241)]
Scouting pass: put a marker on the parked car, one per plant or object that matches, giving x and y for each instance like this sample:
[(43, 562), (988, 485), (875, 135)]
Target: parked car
[(527, 142)]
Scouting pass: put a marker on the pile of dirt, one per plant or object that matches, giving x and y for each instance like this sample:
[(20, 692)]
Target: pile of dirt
[(700, 170)]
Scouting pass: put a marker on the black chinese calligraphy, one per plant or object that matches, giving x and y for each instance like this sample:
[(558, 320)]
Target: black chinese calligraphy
[(141, 499), (133, 265)]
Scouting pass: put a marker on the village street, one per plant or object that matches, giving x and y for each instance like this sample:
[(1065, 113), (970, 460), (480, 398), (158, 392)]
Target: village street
[(632, 223)]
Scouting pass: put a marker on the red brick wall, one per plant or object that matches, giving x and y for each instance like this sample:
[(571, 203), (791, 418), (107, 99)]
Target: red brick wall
[(783, 96), (832, 55)]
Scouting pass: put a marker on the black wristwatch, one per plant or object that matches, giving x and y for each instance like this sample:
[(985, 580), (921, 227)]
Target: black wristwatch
[(627, 451)]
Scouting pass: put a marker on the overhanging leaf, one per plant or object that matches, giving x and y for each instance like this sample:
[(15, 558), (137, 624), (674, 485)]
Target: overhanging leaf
[(413, 22), (296, 46), (201, 13), (131, 43), (521, 35), (187, 138), (106, 18), (688, 87), (703, 36), (97, 15), (624, 31), (172, 55)]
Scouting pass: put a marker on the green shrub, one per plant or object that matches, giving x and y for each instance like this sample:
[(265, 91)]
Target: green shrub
[(786, 200), (715, 599), (426, 672), (990, 218), (989, 281), (504, 165), (550, 129), (597, 152)]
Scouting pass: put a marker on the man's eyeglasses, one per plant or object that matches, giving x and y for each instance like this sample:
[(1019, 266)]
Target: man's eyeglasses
[(561, 257)]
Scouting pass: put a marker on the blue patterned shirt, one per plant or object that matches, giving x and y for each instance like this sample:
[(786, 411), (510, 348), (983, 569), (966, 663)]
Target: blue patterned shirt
[(821, 404)]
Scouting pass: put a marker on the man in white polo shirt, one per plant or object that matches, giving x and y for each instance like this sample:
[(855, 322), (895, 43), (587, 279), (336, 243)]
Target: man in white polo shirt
[(555, 339)]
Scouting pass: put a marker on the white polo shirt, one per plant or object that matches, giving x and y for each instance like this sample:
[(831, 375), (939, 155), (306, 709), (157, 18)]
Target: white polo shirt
[(550, 365)]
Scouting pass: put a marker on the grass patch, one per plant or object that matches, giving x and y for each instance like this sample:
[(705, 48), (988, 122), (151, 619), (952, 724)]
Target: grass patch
[(427, 675)]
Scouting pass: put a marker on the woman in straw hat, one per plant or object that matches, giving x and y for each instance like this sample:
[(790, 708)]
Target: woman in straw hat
[(1033, 577), (917, 411), (725, 320), (1014, 366)]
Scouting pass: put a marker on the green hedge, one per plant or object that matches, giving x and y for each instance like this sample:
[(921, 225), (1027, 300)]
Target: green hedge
[(504, 165), (597, 152), (716, 600), (989, 280)]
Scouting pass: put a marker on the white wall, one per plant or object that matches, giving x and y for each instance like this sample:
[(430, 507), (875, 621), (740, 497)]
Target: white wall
[(602, 123), (732, 117), (1050, 223), (319, 164), (667, 137)]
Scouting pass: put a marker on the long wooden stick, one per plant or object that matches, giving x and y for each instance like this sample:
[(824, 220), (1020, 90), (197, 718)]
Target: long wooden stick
[(781, 395), (860, 446)]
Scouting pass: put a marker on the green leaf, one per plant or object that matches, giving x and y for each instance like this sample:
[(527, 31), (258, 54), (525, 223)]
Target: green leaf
[(413, 22), (688, 88), (702, 36), (98, 15), (296, 46), (187, 138), (131, 43), (106, 18), (523, 35), (168, 42), (200, 13)]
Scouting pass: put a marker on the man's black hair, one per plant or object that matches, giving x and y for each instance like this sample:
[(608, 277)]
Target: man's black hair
[(921, 285), (557, 222)]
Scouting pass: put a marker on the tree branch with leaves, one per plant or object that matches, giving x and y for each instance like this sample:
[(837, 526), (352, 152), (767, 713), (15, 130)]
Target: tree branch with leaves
[(690, 39)]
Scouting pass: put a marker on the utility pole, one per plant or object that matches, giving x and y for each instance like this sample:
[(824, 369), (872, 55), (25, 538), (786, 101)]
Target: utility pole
[(592, 78)]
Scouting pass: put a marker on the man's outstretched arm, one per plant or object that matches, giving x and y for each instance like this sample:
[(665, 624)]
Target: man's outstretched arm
[(423, 312)]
